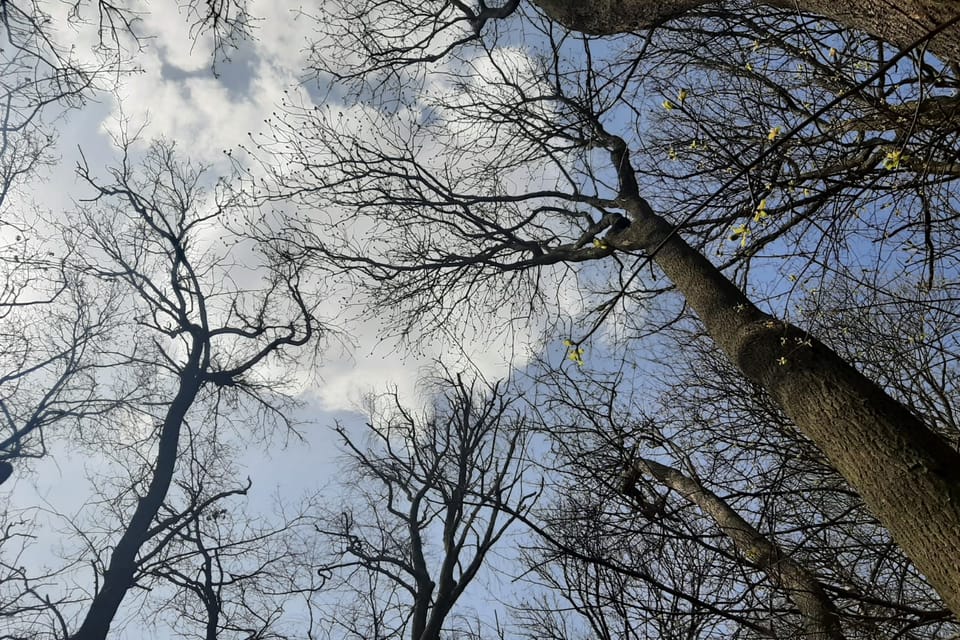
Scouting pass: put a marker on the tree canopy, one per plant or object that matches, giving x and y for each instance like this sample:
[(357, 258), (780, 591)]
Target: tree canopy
[(723, 236)]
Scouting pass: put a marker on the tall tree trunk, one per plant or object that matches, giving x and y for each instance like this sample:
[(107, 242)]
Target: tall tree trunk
[(119, 575), (820, 618), (907, 475), (900, 22)]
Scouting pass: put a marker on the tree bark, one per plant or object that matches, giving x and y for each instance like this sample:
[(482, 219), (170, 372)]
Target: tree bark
[(821, 621), (908, 476), (119, 575), (900, 22)]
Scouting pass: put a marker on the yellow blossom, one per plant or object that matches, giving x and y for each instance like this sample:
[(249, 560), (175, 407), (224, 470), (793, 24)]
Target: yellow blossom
[(599, 244), (574, 352), (761, 211), (782, 361), (667, 105), (749, 67), (740, 232), (774, 132), (672, 153), (893, 160), (682, 95), (754, 553)]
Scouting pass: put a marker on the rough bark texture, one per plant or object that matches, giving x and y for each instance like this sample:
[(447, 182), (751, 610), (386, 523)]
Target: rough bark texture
[(900, 22), (821, 621), (907, 475)]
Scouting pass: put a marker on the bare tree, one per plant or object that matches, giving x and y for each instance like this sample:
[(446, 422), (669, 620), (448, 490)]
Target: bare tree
[(194, 338), (756, 537), (432, 495), (803, 588), (440, 185), (42, 79), (226, 570), (39, 79)]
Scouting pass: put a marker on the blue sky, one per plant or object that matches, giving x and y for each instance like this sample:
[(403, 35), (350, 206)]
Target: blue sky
[(175, 95)]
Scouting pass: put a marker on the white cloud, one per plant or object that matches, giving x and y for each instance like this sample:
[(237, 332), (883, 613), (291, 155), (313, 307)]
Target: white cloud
[(177, 97)]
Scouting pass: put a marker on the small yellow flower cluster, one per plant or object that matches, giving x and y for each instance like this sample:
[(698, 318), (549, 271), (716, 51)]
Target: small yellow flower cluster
[(574, 352), (741, 232), (753, 553), (761, 211), (670, 105), (893, 160), (774, 132)]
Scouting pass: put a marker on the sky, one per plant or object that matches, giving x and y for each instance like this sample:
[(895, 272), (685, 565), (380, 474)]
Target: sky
[(175, 95)]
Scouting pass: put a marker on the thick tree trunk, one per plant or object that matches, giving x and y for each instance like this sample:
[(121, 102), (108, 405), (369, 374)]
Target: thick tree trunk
[(119, 575), (900, 22), (821, 621), (907, 475)]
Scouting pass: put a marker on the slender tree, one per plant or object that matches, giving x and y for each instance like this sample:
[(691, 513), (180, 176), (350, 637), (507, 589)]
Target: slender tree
[(696, 546), (227, 570), (821, 620), (437, 494), (142, 230)]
